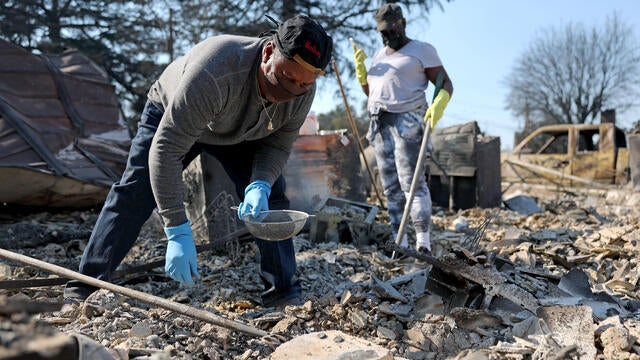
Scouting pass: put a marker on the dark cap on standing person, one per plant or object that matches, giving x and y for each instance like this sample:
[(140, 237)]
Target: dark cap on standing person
[(388, 15), (304, 41)]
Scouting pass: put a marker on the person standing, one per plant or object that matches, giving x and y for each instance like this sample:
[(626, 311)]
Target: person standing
[(395, 84), (240, 99)]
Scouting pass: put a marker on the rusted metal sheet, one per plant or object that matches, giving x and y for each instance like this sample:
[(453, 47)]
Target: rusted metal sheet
[(61, 141), (321, 166)]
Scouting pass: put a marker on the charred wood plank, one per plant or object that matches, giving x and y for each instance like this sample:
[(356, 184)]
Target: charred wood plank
[(22, 284), (10, 306)]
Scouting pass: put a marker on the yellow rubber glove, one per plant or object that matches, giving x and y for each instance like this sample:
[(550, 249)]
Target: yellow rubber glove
[(361, 70), (434, 112)]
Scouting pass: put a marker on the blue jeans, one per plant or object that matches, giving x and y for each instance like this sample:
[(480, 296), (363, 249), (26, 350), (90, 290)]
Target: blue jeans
[(130, 203), (396, 138)]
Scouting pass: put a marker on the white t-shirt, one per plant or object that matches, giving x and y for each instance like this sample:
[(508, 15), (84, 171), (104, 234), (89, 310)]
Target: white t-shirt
[(397, 82)]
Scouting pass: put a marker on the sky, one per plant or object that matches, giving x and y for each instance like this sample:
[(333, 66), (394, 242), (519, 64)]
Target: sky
[(479, 42)]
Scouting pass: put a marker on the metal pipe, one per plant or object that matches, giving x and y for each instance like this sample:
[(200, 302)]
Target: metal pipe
[(537, 168)]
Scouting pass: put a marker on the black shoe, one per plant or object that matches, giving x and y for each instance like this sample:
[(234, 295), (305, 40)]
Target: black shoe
[(283, 302), (77, 292), (282, 298)]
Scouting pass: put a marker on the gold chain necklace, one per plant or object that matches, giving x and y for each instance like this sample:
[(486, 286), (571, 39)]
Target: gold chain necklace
[(270, 117)]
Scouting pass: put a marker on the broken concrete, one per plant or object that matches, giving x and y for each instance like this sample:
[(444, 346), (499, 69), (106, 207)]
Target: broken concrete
[(330, 345), (563, 327)]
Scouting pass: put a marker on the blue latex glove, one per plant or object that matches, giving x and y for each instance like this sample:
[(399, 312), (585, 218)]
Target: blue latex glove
[(256, 199), (180, 261)]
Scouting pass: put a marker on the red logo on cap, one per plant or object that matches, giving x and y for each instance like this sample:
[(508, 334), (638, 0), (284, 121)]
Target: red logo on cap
[(312, 48)]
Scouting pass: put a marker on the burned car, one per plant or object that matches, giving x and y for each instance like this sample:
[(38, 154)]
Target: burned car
[(569, 154)]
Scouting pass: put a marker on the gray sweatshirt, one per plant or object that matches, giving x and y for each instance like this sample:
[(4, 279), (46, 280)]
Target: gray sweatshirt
[(210, 96)]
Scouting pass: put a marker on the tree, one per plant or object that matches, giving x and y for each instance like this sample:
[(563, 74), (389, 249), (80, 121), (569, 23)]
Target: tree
[(570, 76), (341, 19), (125, 46), (134, 40)]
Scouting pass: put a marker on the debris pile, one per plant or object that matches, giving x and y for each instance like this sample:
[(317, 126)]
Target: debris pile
[(561, 282)]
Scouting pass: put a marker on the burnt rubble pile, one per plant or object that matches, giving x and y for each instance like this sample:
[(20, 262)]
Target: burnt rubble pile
[(561, 281)]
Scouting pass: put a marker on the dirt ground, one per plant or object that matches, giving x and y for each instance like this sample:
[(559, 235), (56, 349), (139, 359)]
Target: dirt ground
[(559, 283)]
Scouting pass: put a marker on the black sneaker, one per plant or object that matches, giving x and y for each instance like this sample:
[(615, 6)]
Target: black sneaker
[(77, 292), (281, 303), (282, 298)]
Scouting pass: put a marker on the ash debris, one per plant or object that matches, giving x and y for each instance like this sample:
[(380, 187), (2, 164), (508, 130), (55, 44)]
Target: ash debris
[(559, 282)]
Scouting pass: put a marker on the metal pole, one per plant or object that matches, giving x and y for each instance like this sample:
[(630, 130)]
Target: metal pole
[(414, 182), (357, 135), (138, 295)]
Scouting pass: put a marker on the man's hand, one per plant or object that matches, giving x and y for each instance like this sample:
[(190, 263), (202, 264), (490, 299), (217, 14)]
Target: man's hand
[(434, 112), (361, 70), (256, 199), (180, 260)]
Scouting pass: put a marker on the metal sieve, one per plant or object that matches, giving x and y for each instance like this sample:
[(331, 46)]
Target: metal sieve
[(275, 225)]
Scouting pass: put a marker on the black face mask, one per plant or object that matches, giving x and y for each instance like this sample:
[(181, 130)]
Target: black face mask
[(281, 89), (392, 39)]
